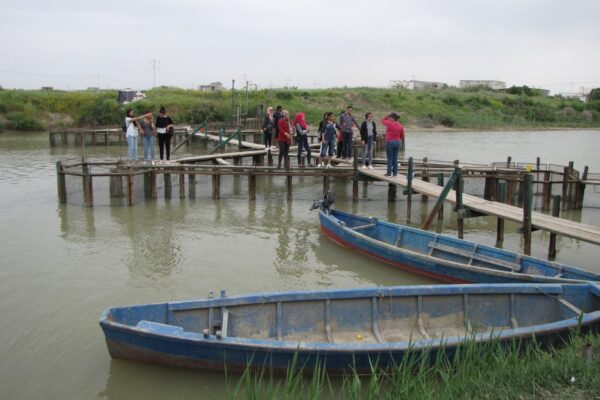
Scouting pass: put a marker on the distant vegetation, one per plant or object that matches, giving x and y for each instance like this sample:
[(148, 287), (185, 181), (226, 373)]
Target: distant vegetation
[(473, 108)]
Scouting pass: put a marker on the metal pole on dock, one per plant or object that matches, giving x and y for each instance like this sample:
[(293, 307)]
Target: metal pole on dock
[(355, 177), (440, 212), (527, 204), (565, 187), (555, 213)]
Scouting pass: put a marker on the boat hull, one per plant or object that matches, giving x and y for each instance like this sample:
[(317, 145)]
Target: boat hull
[(414, 255)]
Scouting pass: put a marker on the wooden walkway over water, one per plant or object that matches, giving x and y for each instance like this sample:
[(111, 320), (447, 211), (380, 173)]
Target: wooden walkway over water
[(587, 233)]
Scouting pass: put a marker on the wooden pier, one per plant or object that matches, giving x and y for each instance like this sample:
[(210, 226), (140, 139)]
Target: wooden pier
[(587, 233)]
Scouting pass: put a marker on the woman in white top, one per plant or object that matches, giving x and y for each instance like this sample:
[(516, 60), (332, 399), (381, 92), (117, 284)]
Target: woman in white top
[(132, 133)]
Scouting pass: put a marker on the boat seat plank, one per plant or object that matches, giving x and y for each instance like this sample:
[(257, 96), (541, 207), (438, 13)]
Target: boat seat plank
[(159, 328), (480, 257), (570, 306), (225, 322), (361, 227)]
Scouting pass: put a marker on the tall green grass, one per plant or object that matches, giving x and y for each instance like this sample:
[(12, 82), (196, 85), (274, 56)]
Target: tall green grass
[(492, 370), (482, 109)]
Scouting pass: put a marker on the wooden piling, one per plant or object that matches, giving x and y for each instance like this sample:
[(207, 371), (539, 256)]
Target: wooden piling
[(325, 183), (192, 185), (216, 184), (61, 183), (565, 187), (288, 181), (555, 213), (88, 190), (581, 189), (168, 186), (547, 191), (251, 186), (527, 205), (500, 221), (425, 177), (182, 184), (129, 187), (409, 178), (392, 192), (459, 206), (440, 212)]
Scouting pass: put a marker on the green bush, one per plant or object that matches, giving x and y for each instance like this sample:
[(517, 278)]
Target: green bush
[(20, 121)]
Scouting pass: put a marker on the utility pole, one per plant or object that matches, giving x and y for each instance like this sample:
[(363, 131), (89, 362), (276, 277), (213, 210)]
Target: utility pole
[(154, 67)]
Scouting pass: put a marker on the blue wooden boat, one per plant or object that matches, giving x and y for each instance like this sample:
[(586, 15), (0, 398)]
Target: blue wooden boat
[(442, 257), (341, 329)]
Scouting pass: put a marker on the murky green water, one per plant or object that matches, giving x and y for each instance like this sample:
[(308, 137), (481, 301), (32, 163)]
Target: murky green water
[(60, 266)]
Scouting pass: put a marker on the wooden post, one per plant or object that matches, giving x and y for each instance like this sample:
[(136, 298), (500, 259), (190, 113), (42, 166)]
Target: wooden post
[(425, 177), (288, 181), (61, 183), (392, 192), (192, 185), (52, 139), (508, 161), (581, 189), (168, 186), (459, 205), (527, 205), (251, 186), (325, 183), (153, 185), (216, 184), (269, 157), (547, 190), (509, 189), (409, 178), (500, 221), (555, 213), (88, 191), (565, 188), (440, 212), (129, 187), (572, 195), (181, 183)]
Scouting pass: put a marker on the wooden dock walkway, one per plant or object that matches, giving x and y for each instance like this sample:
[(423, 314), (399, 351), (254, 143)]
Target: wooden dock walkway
[(587, 233)]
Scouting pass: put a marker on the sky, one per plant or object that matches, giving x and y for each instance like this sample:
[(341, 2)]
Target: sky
[(75, 44)]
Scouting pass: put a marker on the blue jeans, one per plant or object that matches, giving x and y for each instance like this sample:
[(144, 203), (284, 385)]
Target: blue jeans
[(303, 143), (391, 152), (132, 153), (347, 144), (368, 151), (148, 142)]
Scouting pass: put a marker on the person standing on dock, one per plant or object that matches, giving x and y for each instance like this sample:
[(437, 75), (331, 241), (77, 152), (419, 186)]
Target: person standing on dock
[(268, 126), (132, 133), (394, 135), (149, 131), (330, 130), (368, 135), (165, 128), (276, 116), (302, 134), (284, 138), (347, 120)]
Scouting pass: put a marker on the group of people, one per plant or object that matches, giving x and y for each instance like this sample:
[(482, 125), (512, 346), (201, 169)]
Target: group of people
[(332, 135), (162, 127)]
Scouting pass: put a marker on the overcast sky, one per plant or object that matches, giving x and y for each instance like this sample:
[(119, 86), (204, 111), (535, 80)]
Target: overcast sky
[(74, 44)]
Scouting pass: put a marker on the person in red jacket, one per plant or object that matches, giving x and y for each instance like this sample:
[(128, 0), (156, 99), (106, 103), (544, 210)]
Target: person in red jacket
[(284, 139), (394, 135)]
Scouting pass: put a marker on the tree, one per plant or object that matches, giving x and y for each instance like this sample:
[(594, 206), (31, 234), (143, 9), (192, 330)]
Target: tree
[(594, 95)]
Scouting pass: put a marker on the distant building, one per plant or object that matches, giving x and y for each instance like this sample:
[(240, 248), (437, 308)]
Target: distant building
[(495, 85), (93, 89), (212, 87), (47, 88), (129, 96), (418, 85)]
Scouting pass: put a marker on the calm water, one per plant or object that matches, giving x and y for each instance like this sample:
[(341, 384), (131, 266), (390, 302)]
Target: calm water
[(62, 265)]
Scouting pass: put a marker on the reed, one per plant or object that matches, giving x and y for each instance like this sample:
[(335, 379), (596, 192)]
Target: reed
[(492, 370)]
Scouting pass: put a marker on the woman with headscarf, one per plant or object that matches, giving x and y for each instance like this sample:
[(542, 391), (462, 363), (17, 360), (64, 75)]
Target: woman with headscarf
[(268, 126), (302, 137), (284, 138)]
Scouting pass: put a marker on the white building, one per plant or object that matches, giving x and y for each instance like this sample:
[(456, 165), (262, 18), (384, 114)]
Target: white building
[(417, 85), (495, 85), (212, 87)]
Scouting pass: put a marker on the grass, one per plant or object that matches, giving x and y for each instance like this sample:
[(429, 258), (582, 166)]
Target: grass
[(476, 371), (455, 108)]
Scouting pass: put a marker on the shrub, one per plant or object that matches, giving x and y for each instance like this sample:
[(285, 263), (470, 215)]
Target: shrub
[(22, 122)]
